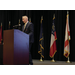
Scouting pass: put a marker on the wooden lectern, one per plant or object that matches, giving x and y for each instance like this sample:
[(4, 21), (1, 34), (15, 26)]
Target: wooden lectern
[(15, 47)]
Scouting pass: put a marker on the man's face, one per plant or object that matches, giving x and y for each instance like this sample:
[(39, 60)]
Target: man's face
[(24, 20)]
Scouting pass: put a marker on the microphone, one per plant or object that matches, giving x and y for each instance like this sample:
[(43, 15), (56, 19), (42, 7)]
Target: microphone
[(17, 25)]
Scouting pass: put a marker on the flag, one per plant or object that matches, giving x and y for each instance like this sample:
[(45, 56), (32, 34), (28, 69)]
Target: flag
[(1, 34), (29, 19), (67, 38), (53, 48), (41, 40), (9, 24)]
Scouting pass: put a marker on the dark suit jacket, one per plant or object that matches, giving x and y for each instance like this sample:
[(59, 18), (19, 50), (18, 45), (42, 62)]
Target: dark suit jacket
[(29, 30)]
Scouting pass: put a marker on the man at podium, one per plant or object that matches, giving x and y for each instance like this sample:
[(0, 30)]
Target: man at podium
[(28, 29)]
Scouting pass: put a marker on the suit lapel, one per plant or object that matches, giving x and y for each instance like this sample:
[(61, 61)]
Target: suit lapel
[(27, 25), (23, 28)]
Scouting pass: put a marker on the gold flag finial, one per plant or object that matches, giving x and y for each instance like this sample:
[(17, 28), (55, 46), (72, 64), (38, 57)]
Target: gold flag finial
[(41, 17), (19, 21), (67, 12), (29, 19), (1, 24), (9, 23)]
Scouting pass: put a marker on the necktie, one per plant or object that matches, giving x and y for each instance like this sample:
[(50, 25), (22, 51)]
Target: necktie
[(24, 26)]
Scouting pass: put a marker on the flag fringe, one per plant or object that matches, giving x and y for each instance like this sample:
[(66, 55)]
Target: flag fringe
[(70, 39), (40, 39), (40, 51), (40, 54), (66, 53), (55, 39), (53, 54), (41, 46), (53, 18)]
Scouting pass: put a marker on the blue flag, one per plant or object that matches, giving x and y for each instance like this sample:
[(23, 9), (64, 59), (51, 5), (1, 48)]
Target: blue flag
[(41, 41)]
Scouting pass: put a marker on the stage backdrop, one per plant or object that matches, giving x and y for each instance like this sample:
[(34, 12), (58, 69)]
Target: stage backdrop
[(35, 15)]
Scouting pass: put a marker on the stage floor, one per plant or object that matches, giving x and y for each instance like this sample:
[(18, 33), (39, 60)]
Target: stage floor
[(47, 62)]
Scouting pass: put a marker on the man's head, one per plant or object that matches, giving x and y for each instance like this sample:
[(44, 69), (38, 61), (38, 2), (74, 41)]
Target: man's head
[(24, 19)]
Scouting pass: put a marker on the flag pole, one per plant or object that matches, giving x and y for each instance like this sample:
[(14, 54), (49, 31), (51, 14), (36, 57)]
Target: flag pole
[(41, 59), (41, 42), (68, 61), (41, 53), (53, 60)]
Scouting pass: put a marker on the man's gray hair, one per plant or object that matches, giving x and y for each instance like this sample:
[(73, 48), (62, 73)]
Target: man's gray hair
[(25, 17)]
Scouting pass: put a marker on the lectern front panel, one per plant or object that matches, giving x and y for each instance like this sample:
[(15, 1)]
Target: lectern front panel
[(21, 47)]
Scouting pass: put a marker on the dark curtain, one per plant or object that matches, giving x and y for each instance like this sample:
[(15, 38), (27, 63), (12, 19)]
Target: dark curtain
[(35, 15)]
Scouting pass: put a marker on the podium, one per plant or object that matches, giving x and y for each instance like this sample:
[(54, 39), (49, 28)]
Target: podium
[(15, 47)]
